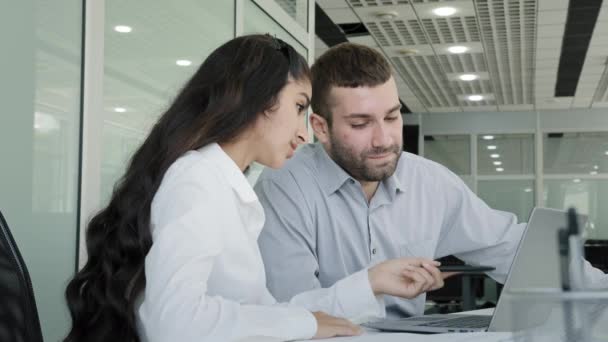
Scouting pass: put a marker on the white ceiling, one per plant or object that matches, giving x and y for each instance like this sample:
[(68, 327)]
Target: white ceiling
[(514, 46)]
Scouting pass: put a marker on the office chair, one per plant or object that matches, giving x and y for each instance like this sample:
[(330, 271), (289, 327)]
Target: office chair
[(454, 296), (18, 314), (596, 252)]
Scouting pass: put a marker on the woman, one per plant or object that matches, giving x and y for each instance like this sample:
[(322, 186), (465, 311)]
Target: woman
[(173, 257)]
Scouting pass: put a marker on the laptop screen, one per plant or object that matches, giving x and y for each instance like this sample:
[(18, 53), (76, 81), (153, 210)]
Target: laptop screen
[(535, 265)]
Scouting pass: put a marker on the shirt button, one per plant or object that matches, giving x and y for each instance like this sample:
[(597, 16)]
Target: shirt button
[(374, 251)]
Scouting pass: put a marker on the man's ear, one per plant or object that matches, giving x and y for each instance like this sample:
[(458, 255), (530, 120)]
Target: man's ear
[(320, 127)]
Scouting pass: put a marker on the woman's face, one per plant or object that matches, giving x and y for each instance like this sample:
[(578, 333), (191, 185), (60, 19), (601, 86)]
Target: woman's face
[(282, 128)]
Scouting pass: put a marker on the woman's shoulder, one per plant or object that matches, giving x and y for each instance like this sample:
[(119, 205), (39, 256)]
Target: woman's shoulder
[(194, 167)]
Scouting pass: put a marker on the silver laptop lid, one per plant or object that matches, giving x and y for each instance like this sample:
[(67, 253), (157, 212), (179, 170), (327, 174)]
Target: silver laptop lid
[(535, 265)]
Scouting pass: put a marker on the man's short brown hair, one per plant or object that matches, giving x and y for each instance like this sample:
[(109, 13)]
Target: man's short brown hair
[(345, 65)]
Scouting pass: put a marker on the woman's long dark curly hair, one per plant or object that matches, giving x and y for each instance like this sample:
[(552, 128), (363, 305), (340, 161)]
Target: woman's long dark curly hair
[(237, 82)]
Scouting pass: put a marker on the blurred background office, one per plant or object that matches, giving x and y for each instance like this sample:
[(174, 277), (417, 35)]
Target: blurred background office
[(511, 95)]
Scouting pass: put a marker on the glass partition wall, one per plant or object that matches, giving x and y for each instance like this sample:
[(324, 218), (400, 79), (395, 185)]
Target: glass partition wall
[(504, 171), (39, 144)]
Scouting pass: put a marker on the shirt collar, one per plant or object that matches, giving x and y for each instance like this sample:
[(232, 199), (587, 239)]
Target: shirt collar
[(332, 176), (231, 171)]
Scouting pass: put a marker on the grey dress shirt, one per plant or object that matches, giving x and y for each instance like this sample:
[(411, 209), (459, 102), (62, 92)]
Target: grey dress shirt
[(320, 228)]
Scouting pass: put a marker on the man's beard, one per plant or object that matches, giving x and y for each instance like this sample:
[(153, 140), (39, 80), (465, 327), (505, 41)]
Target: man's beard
[(358, 166)]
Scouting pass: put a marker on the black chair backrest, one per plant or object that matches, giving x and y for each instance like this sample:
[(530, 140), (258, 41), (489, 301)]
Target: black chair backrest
[(18, 314)]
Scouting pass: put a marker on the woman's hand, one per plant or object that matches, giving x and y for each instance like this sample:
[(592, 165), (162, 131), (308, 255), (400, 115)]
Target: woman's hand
[(405, 277), (330, 326)]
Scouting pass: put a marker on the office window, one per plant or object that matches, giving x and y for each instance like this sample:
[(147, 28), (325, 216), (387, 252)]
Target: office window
[(451, 151), (39, 141), (258, 21), (505, 154), (588, 196), (146, 66), (576, 153), (297, 9), (512, 195)]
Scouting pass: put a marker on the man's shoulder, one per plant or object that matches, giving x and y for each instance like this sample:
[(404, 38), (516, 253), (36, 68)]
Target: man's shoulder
[(414, 168), (411, 163)]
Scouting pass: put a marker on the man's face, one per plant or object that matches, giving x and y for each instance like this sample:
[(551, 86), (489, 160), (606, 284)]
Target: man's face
[(366, 134)]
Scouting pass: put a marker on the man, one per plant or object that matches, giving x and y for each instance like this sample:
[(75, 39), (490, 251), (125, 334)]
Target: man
[(355, 199)]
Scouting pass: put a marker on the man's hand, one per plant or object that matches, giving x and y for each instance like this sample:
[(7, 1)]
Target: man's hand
[(406, 277)]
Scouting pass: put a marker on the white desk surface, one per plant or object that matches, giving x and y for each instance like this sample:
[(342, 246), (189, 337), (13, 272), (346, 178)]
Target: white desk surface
[(377, 336)]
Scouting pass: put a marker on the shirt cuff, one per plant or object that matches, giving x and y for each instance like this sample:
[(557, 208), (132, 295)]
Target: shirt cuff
[(277, 323), (357, 299), (302, 324)]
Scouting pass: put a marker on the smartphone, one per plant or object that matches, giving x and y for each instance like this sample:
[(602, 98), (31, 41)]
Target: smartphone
[(466, 268)]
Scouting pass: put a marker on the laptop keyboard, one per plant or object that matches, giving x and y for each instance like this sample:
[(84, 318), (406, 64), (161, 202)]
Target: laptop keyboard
[(462, 322)]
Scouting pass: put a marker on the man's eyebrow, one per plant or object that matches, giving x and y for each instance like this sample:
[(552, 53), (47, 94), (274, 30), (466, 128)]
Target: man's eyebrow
[(365, 115), (358, 116), (394, 108)]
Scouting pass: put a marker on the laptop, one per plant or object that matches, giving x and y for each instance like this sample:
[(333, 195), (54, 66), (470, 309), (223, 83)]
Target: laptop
[(536, 265)]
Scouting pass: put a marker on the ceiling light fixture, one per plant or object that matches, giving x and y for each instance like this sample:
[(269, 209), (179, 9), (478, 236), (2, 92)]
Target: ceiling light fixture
[(475, 98), (488, 137), (407, 52), (576, 180), (528, 189), (123, 28), (458, 49), (444, 11), (491, 147), (183, 62), (120, 109), (499, 169), (387, 15), (498, 163), (595, 167), (468, 77), (495, 155)]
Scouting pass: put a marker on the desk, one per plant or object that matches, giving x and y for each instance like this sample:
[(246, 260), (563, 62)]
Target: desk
[(401, 337), (372, 335)]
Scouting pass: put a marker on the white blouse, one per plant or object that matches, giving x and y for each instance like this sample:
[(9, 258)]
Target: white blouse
[(205, 280)]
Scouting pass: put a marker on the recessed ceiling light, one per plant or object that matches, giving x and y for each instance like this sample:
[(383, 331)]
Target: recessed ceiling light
[(495, 155), (593, 173), (528, 189), (576, 180), (595, 167), (475, 98), (183, 62), (491, 147), (407, 52), (468, 77), (120, 109), (444, 11), (458, 49), (497, 163), (499, 169), (387, 15), (606, 153), (488, 137), (123, 28)]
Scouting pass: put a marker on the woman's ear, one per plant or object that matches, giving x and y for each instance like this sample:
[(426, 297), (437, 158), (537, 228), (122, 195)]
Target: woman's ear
[(320, 127)]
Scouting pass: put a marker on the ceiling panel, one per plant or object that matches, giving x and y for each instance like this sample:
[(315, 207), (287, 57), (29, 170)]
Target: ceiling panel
[(514, 48)]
